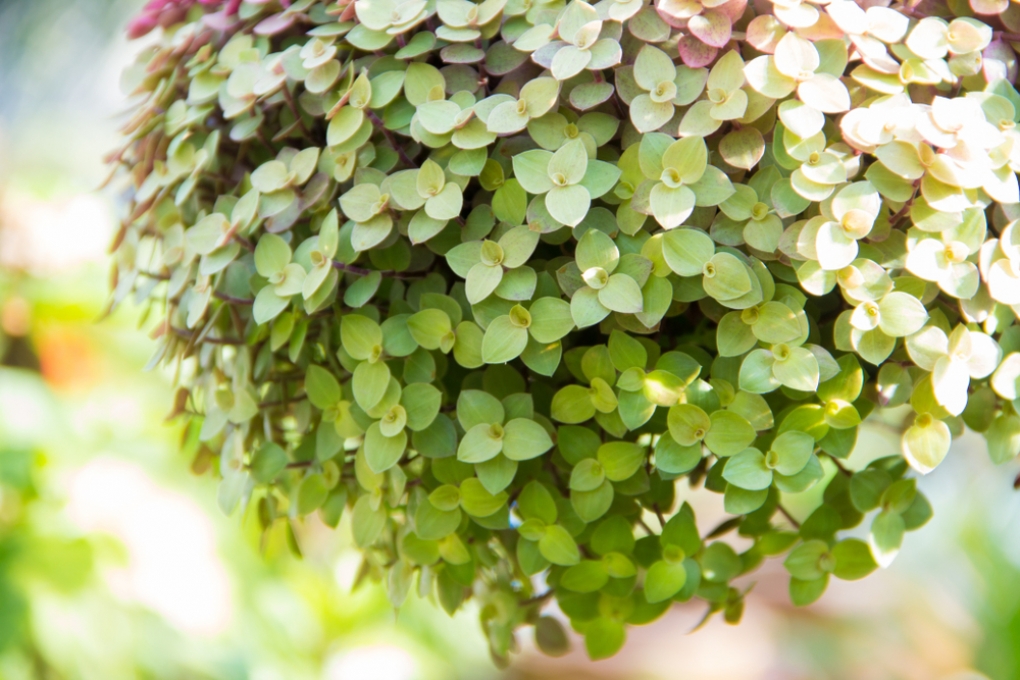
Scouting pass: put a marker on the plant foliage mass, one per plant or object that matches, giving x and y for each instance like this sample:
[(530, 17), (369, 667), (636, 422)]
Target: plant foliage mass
[(502, 281)]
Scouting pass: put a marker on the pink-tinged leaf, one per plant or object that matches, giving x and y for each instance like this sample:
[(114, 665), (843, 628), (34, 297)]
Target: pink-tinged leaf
[(347, 14), (1011, 18), (674, 22), (220, 21), (823, 29), (712, 28), (989, 6), (695, 53), (764, 33), (999, 61), (277, 23), (141, 25), (734, 9)]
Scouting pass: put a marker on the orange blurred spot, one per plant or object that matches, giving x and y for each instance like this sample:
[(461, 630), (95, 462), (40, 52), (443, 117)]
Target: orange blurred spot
[(68, 358)]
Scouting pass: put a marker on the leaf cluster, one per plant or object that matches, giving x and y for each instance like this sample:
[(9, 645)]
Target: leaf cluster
[(495, 279)]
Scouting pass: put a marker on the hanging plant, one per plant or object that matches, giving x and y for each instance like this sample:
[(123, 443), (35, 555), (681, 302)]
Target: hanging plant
[(498, 280)]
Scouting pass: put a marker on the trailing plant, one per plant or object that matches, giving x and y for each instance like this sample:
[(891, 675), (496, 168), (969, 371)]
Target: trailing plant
[(506, 282)]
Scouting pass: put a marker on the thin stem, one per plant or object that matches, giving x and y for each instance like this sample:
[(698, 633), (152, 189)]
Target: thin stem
[(283, 402), (839, 466), (293, 109), (788, 516), (361, 271), (658, 513), (215, 341), (232, 300), (538, 598), (394, 142)]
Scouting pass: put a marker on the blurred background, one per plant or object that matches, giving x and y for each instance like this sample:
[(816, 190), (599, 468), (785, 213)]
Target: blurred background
[(115, 561)]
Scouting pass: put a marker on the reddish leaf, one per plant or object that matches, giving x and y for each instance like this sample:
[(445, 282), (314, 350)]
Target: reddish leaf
[(734, 9), (999, 61), (712, 28), (694, 52), (764, 33), (989, 6), (277, 23)]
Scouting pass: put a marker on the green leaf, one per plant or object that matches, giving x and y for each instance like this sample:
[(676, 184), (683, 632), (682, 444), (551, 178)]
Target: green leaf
[(688, 424), (926, 443), (311, 494), (568, 204), (531, 169), (687, 251), (504, 340), (620, 460), (585, 577), (475, 407), (525, 439), (796, 368), (1003, 437), (803, 593), (719, 562), (477, 501), (886, 537), (596, 249), (482, 280), (790, 452), (738, 501), (361, 337), (382, 452), (671, 205), (729, 434), (550, 319), (664, 580), (430, 327), (481, 443), (497, 473), (688, 158), (590, 505), (268, 461), (569, 164), (367, 522), (557, 546), (626, 352), (369, 383), (322, 388), (587, 475), (603, 638), (622, 294), (268, 305), (550, 637), (572, 404), (901, 314), (422, 402), (535, 501), (748, 470), (652, 67), (445, 498), (806, 561), (673, 458), (431, 523), (853, 559), (586, 309)]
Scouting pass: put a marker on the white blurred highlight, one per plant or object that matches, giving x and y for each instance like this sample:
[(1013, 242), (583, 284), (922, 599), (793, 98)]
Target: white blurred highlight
[(172, 564), (374, 662), (47, 237)]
